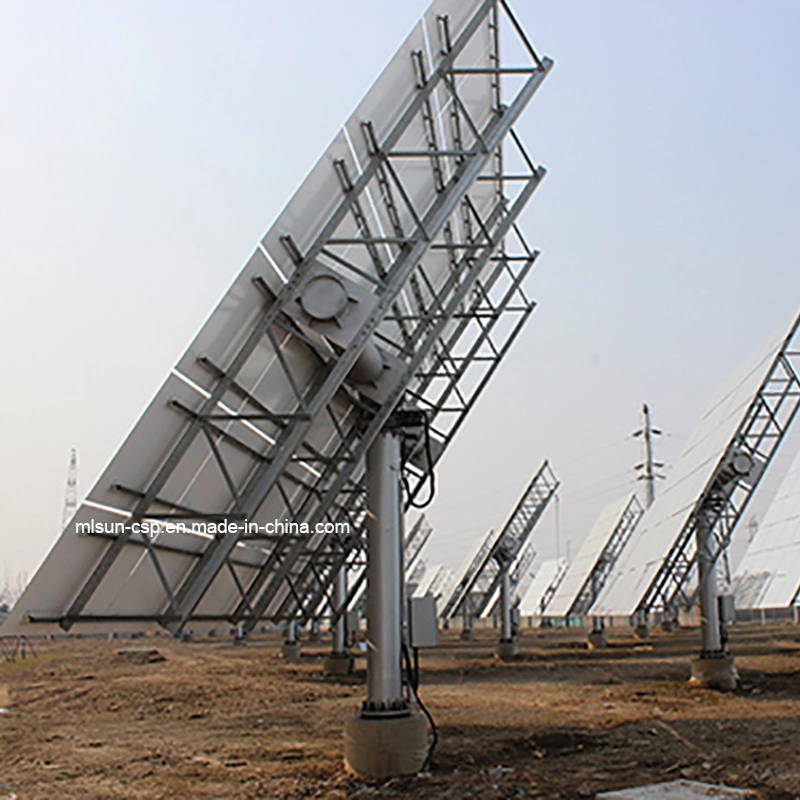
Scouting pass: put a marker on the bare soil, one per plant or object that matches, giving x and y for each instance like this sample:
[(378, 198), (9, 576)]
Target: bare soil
[(212, 720)]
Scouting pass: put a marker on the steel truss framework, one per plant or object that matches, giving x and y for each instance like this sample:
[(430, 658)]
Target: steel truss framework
[(723, 500), (415, 541), (552, 588), (486, 313), (414, 577), (297, 455), (481, 581), (459, 370), (590, 590), (439, 583)]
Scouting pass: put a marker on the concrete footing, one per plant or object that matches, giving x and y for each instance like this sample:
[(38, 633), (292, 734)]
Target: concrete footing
[(642, 632), (466, 636), (385, 747), (507, 650), (290, 651), (668, 626), (715, 673), (597, 640), (679, 790), (338, 664)]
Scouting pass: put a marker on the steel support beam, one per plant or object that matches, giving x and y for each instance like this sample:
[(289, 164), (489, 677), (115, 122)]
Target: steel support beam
[(340, 627), (384, 580), (710, 628), (506, 628)]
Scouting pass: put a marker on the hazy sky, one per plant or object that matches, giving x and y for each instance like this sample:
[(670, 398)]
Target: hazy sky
[(146, 146)]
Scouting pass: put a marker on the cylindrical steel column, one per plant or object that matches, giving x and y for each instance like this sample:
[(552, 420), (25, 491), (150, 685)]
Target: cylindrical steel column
[(384, 578), (290, 634), (506, 632), (466, 616), (709, 605), (597, 636), (340, 598)]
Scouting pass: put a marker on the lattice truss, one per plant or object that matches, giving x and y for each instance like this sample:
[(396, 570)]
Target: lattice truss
[(481, 580), (267, 418), (726, 495), (552, 587), (590, 590), (415, 541), (438, 586)]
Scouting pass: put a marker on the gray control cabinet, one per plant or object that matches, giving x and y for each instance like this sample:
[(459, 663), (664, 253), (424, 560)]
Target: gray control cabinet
[(422, 627)]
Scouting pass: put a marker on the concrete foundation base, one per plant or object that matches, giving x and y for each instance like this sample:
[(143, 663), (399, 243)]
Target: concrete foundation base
[(466, 636), (668, 626), (597, 640), (505, 651), (290, 651), (715, 673), (642, 632), (338, 664), (678, 790), (385, 747)]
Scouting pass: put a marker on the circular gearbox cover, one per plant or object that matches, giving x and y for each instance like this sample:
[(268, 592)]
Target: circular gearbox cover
[(324, 297), (330, 308)]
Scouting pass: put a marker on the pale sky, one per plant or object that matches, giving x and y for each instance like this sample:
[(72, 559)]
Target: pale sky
[(146, 146)]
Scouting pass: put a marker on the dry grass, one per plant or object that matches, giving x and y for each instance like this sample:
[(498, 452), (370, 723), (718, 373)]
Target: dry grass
[(217, 721)]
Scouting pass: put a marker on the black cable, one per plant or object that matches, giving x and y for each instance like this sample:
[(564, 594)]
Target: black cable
[(413, 684), (431, 474)]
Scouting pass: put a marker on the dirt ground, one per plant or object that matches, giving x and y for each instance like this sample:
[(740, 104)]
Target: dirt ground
[(216, 721)]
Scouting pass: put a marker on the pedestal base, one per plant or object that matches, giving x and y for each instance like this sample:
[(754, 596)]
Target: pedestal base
[(338, 664), (642, 632), (668, 626), (715, 673), (508, 650), (379, 748), (466, 636), (290, 651), (597, 640)]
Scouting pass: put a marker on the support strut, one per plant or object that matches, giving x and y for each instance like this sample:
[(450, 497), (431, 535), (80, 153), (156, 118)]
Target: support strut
[(386, 739)]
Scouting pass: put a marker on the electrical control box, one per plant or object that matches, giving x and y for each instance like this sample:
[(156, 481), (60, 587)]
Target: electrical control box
[(727, 610), (353, 622), (423, 630)]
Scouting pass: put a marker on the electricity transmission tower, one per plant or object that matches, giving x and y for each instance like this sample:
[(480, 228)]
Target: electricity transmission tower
[(71, 490), (648, 465)]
